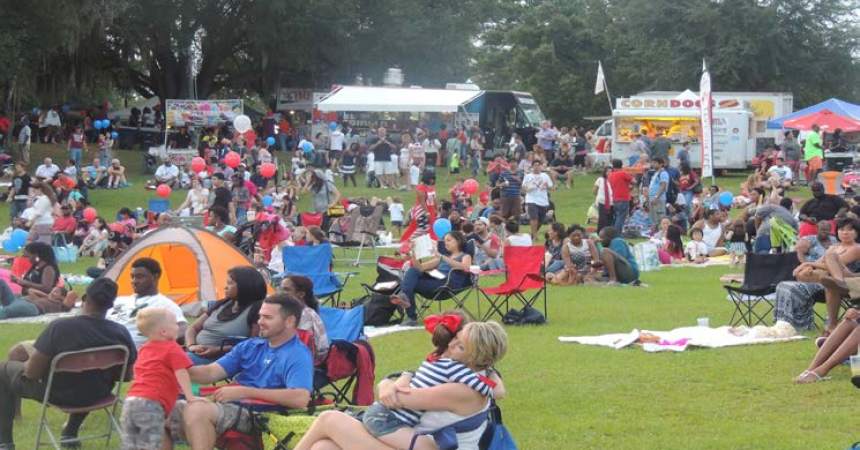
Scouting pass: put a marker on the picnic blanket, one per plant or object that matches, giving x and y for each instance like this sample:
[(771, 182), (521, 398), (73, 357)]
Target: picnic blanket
[(372, 332), (723, 260), (680, 339)]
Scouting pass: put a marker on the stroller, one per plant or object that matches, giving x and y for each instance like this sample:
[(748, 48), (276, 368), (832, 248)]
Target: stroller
[(357, 229)]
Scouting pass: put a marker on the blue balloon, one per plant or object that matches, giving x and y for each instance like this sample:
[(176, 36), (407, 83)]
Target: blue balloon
[(332, 126), (441, 227), (97, 124), (267, 201), (106, 123), (10, 247), (65, 108), (726, 198), (114, 135), (307, 147), (270, 140), (19, 237)]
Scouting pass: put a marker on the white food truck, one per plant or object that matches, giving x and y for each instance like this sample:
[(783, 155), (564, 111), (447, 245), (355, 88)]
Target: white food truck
[(740, 124)]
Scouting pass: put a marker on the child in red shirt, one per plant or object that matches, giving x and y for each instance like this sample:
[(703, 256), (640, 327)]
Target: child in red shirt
[(160, 374)]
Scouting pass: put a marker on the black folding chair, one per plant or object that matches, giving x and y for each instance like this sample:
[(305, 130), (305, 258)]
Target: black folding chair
[(762, 273), (458, 295)]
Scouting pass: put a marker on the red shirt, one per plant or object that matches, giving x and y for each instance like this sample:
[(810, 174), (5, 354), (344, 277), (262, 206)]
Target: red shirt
[(64, 224), (620, 182), (154, 373)]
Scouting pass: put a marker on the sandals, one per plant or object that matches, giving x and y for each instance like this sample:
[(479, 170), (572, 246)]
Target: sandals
[(809, 377)]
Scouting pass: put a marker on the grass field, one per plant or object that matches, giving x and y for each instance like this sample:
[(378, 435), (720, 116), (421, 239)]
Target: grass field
[(566, 396)]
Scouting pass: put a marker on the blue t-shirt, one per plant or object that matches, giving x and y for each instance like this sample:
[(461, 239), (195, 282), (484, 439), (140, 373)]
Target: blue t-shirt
[(619, 245), (659, 177), (513, 188), (289, 366)]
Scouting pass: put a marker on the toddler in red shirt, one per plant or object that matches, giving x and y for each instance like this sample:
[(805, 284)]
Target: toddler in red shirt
[(160, 374)]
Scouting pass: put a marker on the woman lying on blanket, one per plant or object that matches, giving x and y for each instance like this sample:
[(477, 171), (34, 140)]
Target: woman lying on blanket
[(449, 387)]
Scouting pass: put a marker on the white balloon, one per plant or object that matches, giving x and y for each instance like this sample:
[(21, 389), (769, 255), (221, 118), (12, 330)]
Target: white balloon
[(242, 123)]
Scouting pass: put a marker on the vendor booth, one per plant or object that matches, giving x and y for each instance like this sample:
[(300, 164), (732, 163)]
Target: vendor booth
[(499, 114)]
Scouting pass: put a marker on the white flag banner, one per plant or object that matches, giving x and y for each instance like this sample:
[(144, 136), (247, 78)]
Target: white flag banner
[(600, 83), (707, 118)]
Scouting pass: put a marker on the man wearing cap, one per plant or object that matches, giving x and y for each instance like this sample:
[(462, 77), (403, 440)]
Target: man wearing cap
[(487, 245), (25, 375)]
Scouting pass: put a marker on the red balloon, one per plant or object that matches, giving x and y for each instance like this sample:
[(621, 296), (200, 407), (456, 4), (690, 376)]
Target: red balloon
[(163, 190), (198, 164), (267, 170), (484, 197), (90, 214), (250, 138), (470, 186), (232, 159)]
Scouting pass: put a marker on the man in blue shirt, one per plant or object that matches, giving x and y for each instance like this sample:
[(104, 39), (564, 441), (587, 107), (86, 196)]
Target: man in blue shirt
[(275, 367), (510, 194), (657, 192), (618, 260)]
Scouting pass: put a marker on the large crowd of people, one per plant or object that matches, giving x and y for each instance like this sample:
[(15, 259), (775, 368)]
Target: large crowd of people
[(658, 197)]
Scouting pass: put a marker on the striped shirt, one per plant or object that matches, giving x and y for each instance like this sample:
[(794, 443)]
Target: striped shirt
[(436, 373)]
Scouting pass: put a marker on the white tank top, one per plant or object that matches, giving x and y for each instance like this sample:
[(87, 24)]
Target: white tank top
[(710, 236)]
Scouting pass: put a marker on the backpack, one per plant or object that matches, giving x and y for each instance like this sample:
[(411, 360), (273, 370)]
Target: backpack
[(496, 436), (525, 316), (378, 310)]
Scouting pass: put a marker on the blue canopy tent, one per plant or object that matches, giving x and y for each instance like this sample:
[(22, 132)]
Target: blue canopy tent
[(836, 106)]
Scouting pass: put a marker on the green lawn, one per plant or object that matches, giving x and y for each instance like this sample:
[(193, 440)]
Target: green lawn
[(566, 396)]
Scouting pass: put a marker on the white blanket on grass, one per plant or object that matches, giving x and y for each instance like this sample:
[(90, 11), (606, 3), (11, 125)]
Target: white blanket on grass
[(678, 339)]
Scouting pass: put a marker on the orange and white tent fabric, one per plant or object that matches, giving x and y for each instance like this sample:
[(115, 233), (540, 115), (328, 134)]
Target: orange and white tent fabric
[(194, 263)]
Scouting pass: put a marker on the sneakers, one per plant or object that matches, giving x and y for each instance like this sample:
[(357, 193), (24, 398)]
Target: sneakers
[(407, 322), (7, 446)]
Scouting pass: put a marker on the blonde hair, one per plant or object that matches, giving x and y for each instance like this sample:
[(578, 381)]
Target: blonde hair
[(150, 320), (486, 344)]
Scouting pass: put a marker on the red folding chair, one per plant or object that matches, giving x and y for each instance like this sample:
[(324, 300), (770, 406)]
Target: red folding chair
[(524, 280), (308, 219)]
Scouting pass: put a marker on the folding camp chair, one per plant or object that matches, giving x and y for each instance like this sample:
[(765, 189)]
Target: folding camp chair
[(111, 357), (350, 356), (762, 273), (357, 230), (459, 295), (524, 280), (314, 262)]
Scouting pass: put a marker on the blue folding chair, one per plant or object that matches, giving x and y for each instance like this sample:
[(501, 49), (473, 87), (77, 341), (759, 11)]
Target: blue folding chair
[(315, 262), (338, 375)]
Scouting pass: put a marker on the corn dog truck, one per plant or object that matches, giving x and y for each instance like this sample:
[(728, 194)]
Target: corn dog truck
[(739, 132)]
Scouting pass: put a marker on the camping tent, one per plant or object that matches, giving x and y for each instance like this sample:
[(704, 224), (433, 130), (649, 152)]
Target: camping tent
[(392, 99), (836, 106), (194, 263)]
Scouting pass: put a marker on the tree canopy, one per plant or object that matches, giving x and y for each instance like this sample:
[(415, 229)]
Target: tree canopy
[(54, 51)]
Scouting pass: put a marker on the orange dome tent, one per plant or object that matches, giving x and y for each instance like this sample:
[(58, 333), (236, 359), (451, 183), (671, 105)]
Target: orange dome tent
[(194, 263)]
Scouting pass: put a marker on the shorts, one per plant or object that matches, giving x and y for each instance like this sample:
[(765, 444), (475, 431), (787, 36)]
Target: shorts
[(536, 212), (230, 417), (579, 160), (379, 420), (384, 168), (334, 154), (511, 206), (397, 223), (142, 424), (814, 164)]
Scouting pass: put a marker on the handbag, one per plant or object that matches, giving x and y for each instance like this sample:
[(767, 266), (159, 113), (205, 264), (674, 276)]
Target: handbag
[(63, 251), (336, 211), (497, 436)]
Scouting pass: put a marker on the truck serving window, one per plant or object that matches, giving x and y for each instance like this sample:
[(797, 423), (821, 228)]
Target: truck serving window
[(531, 112)]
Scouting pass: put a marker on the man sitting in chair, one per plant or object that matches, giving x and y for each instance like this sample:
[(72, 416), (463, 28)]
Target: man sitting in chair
[(275, 367), (166, 173), (25, 375)]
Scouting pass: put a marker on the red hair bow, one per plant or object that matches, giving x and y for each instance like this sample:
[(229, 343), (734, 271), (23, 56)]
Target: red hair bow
[(450, 321)]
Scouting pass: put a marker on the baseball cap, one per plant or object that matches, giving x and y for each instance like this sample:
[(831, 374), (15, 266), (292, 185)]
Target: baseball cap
[(484, 220)]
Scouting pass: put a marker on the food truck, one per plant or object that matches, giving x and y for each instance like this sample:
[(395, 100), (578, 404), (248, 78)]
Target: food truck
[(498, 114), (739, 131)]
